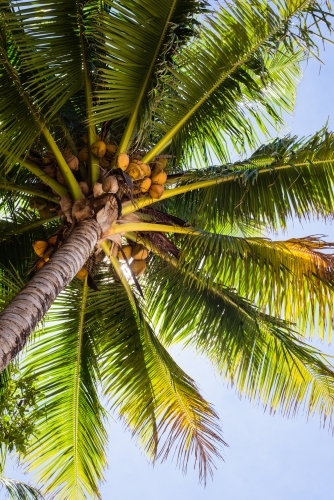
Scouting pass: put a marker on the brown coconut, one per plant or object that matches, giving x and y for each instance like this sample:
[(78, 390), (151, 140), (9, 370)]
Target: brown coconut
[(110, 184), (83, 154), (138, 267), (139, 252), (127, 249)]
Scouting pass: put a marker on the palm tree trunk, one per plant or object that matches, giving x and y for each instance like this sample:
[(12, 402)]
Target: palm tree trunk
[(19, 319)]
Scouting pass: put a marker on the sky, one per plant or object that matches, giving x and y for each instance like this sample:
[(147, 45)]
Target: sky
[(269, 457)]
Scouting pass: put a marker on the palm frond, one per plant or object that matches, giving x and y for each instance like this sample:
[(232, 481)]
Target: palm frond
[(157, 400), (18, 490), (134, 40), (68, 455), (262, 356), (293, 279), (213, 82), (285, 178)]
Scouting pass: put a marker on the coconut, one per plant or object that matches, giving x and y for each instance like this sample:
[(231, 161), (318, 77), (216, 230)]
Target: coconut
[(51, 171), (99, 148), (156, 191), (60, 177), (46, 160), (82, 274), (37, 202), (40, 247), (52, 240), (122, 161), (159, 177), (138, 267), (85, 138), (40, 264), (135, 172), (139, 252), (146, 169), (97, 189), (127, 249), (84, 188), (104, 163), (163, 162), (83, 154), (145, 185), (111, 150), (110, 184), (73, 162)]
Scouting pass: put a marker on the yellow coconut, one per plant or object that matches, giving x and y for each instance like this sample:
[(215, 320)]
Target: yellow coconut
[(156, 191), (82, 274), (111, 148), (145, 185), (138, 267), (127, 249), (146, 169), (40, 247), (139, 252), (159, 177), (135, 172), (99, 148), (40, 264), (163, 162), (83, 154), (122, 161)]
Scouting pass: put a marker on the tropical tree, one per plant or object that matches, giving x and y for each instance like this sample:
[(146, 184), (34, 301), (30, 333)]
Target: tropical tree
[(112, 113)]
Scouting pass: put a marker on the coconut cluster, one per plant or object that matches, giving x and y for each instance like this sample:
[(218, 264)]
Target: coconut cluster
[(135, 256), (122, 177)]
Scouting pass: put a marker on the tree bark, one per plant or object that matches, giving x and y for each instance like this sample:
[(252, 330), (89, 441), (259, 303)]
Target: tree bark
[(19, 319)]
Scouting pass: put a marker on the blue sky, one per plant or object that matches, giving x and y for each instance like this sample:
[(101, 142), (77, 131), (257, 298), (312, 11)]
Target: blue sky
[(269, 458)]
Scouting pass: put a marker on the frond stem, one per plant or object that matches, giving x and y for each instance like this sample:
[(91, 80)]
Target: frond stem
[(94, 171), (7, 186), (77, 376), (28, 227), (129, 207)]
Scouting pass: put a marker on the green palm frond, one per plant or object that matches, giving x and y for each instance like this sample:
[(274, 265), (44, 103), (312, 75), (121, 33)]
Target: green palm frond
[(157, 400), (225, 69), (17, 235), (134, 40), (18, 490), (68, 455), (285, 178), (279, 276), (262, 356)]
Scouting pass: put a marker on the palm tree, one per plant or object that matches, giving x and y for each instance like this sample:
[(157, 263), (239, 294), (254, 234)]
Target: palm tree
[(111, 113)]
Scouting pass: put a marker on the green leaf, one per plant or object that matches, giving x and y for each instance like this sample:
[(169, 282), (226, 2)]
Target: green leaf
[(262, 356), (159, 402), (68, 455)]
